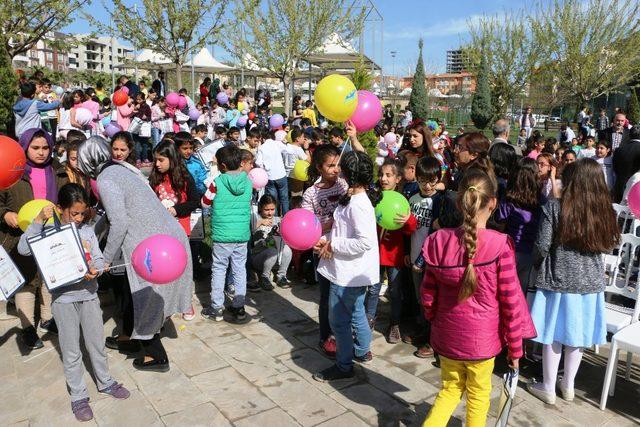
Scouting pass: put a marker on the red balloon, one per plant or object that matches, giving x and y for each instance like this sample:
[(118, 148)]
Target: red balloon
[(12, 162), (252, 115), (120, 98)]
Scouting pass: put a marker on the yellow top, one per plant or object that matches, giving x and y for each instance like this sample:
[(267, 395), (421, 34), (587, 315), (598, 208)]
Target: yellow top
[(308, 113)]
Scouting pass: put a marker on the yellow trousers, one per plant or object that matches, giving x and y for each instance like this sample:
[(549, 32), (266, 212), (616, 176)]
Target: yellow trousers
[(459, 376)]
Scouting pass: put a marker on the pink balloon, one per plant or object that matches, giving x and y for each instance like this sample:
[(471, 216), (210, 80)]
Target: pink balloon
[(300, 229), (368, 112), (125, 89), (633, 199), (159, 259), (390, 138), (94, 188), (259, 178), (182, 102), (172, 99)]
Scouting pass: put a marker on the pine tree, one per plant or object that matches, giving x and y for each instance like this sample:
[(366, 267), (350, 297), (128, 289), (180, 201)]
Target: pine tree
[(8, 93), (481, 106), (418, 102), (634, 107)]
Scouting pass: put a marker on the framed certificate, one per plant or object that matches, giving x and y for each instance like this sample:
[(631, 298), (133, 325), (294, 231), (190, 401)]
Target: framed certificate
[(197, 226), (10, 277), (59, 254)]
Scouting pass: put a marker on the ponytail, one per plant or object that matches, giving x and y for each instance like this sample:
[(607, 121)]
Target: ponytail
[(357, 169)]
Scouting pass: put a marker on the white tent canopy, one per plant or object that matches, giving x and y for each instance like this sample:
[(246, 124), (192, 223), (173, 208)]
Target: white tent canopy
[(153, 58), (205, 62), (337, 54)]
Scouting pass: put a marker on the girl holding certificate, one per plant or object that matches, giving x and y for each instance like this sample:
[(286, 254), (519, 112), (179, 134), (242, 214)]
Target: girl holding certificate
[(77, 306), (42, 178)]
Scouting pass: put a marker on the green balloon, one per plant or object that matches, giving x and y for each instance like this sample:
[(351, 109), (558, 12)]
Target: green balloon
[(392, 203)]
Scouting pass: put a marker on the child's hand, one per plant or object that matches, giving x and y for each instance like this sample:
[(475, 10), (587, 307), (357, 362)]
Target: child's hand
[(417, 269), (402, 219), (172, 211), (350, 128), (45, 214), (92, 274), (326, 252), (514, 363), (318, 246), (11, 218), (553, 173)]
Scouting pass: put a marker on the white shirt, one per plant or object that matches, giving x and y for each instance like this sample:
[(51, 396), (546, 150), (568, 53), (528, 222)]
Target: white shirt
[(290, 155), (356, 260), (269, 158)]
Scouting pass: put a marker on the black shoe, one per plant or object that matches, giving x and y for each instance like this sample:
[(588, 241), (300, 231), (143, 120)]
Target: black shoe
[(212, 313), (367, 357), (128, 346), (283, 282), (48, 327), (265, 284), (31, 339), (332, 374), (253, 286), (151, 366), (238, 315)]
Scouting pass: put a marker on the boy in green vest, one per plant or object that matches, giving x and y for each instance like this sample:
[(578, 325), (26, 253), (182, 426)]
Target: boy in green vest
[(229, 196)]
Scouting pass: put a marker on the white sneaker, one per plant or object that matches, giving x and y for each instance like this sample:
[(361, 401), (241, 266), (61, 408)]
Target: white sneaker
[(567, 394), (538, 391)]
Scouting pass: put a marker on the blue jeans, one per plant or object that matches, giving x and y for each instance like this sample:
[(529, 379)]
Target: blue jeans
[(347, 317), (395, 294), (156, 135), (279, 189), (226, 255)]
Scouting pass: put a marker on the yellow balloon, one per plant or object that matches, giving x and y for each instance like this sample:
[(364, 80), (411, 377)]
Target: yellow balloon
[(299, 171), (241, 106), (336, 97), (288, 138), (29, 211)]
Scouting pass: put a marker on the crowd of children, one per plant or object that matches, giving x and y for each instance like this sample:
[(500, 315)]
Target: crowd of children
[(485, 228)]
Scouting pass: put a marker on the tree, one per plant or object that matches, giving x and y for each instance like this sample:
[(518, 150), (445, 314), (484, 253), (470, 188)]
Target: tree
[(362, 79), (591, 49), (481, 106), (9, 88), (418, 101), (634, 108), (280, 34), (24, 22), (172, 28), (505, 42)]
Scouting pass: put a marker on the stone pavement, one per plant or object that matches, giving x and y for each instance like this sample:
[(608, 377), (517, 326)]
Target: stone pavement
[(259, 374)]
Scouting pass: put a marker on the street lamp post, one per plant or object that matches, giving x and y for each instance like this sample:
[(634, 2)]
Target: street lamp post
[(393, 76)]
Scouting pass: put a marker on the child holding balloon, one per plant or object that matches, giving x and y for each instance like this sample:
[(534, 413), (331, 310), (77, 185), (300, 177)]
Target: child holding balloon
[(77, 307), (350, 262), (42, 178), (297, 150), (322, 199), (392, 254)]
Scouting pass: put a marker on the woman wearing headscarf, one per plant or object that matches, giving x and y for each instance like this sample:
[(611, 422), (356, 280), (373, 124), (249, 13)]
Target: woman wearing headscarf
[(135, 213), (42, 178)]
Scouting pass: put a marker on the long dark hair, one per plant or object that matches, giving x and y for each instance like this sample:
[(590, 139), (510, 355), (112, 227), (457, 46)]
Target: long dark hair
[(523, 189), (178, 173), (131, 145), (503, 158), (587, 219), (427, 144), (357, 169), (72, 193), (319, 156)]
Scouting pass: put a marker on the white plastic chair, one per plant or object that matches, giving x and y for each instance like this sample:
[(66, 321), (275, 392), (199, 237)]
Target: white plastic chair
[(627, 339), (617, 316), (626, 219)]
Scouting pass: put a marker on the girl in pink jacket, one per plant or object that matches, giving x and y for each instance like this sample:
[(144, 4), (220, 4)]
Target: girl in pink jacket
[(472, 297)]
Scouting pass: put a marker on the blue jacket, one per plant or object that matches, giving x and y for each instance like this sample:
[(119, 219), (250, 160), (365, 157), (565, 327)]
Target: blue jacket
[(232, 117), (198, 172), (27, 113)]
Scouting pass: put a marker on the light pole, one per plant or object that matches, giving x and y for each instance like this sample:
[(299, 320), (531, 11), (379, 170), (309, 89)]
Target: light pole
[(393, 76)]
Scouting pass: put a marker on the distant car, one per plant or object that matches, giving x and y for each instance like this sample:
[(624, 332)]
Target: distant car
[(554, 119)]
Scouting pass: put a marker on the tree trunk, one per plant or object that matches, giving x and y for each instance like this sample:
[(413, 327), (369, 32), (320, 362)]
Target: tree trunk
[(287, 95), (179, 75)]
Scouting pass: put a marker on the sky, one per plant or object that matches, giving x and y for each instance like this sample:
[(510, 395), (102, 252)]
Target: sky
[(442, 24)]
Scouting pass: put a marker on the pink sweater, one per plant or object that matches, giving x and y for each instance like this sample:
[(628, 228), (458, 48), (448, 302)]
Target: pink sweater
[(496, 314), (125, 113)]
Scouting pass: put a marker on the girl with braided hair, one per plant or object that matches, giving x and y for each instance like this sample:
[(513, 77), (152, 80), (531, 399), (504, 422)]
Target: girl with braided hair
[(472, 297)]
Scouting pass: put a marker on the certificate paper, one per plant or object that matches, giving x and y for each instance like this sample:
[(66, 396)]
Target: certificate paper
[(59, 255), (10, 277), (197, 225)]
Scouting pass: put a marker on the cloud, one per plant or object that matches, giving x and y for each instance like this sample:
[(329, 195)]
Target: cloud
[(452, 27)]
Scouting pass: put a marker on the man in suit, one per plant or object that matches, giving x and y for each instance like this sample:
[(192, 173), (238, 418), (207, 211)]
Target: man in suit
[(501, 129), (626, 160), (618, 134), (159, 85)]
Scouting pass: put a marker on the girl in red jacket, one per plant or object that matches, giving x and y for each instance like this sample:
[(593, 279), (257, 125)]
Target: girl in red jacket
[(392, 255), (472, 297)]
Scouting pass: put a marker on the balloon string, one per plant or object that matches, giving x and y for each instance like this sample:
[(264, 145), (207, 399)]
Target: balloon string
[(111, 267), (347, 142)]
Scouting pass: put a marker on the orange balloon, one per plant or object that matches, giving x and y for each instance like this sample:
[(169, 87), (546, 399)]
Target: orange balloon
[(12, 162), (120, 98)]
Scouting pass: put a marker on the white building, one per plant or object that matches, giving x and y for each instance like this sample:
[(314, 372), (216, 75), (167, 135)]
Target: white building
[(99, 54), (43, 54)]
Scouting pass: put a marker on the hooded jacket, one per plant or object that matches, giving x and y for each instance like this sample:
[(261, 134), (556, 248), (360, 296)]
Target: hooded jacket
[(496, 314), (231, 211), (27, 113)]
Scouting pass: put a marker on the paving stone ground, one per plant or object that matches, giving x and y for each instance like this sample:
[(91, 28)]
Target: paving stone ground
[(259, 374)]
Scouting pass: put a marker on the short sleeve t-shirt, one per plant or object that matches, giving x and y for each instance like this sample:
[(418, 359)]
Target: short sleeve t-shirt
[(324, 201), (422, 209)]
